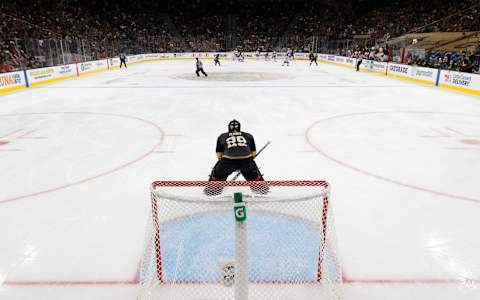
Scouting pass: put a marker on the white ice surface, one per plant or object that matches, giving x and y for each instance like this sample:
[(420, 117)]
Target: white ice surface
[(77, 158)]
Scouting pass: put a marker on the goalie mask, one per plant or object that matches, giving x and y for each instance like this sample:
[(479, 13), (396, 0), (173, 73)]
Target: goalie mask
[(234, 125)]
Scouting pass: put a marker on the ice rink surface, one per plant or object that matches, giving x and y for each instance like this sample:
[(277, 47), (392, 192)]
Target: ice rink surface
[(77, 158)]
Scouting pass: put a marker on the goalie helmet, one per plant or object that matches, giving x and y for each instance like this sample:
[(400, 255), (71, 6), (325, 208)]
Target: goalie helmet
[(234, 125)]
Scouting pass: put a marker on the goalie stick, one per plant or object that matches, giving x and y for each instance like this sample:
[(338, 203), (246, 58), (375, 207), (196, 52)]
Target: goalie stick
[(258, 153)]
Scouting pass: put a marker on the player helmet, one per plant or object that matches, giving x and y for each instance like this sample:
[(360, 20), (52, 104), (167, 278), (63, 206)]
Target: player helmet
[(234, 125)]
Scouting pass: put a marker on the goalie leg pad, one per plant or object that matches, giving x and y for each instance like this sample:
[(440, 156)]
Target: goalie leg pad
[(220, 172), (251, 172), (259, 188)]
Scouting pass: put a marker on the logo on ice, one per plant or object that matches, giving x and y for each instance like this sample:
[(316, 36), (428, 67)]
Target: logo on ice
[(239, 208), (227, 272)]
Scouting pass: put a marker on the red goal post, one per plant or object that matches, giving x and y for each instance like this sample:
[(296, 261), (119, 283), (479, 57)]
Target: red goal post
[(287, 220)]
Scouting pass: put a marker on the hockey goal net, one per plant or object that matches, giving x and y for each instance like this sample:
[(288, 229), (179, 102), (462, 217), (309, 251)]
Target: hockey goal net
[(240, 240)]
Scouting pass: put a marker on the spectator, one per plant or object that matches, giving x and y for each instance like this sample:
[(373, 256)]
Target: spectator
[(43, 33)]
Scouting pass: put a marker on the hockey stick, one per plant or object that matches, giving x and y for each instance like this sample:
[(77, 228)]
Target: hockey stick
[(258, 153)]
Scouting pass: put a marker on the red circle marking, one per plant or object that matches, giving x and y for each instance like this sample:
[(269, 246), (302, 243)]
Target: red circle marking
[(470, 142), (90, 178), (380, 177), (3, 142)]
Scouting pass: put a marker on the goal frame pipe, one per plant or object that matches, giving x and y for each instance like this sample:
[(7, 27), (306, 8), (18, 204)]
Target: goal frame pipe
[(156, 237), (241, 251), (202, 183), (323, 244), (280, 183)]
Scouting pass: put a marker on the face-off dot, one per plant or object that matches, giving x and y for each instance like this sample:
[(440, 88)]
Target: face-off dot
[(3, 142), (470, 142)]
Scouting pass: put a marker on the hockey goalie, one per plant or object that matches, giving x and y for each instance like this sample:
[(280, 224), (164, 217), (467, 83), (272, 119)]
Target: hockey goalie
[(236, 151)]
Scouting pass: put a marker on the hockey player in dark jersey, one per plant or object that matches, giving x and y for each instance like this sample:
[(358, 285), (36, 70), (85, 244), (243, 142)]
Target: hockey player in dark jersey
[(123, 60), (359, 61), (216, 59), (236, 150), (313, 58)]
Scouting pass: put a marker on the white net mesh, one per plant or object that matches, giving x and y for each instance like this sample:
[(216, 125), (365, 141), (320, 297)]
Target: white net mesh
[(196, 249)]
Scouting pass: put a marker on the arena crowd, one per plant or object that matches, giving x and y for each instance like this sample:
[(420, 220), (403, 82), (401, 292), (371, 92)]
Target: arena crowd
[(41, 33)]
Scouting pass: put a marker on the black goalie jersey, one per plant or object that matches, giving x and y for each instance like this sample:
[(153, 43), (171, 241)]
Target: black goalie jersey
[(236, 152), (235, 145)]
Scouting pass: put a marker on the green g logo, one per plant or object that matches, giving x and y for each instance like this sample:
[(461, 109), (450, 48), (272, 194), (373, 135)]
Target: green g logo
[(239, 209), (240, 213)]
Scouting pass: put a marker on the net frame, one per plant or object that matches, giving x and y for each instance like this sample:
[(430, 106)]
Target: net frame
[(154, 193)]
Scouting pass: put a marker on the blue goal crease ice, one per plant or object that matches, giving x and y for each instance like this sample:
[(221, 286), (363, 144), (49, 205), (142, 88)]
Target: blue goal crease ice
[(280, 248)]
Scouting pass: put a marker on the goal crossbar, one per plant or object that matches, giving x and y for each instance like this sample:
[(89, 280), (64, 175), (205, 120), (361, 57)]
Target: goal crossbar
[(227, 199)]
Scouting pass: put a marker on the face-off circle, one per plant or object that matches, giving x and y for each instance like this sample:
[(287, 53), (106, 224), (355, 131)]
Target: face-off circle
[(426, 151), (72, 148)]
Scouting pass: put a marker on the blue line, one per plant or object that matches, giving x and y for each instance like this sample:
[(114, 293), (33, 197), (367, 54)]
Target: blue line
[(27, 84), (438, 77)]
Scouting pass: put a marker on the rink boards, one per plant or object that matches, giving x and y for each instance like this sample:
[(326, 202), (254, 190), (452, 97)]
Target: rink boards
[(463, 82)]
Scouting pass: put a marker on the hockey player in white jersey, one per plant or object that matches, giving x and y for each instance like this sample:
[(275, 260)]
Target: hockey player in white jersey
[(199, 66), (238, 55), (286, 61), (241, 58)]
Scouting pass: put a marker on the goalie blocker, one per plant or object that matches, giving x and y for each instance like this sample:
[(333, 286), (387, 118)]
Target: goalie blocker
[(236, 150)]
